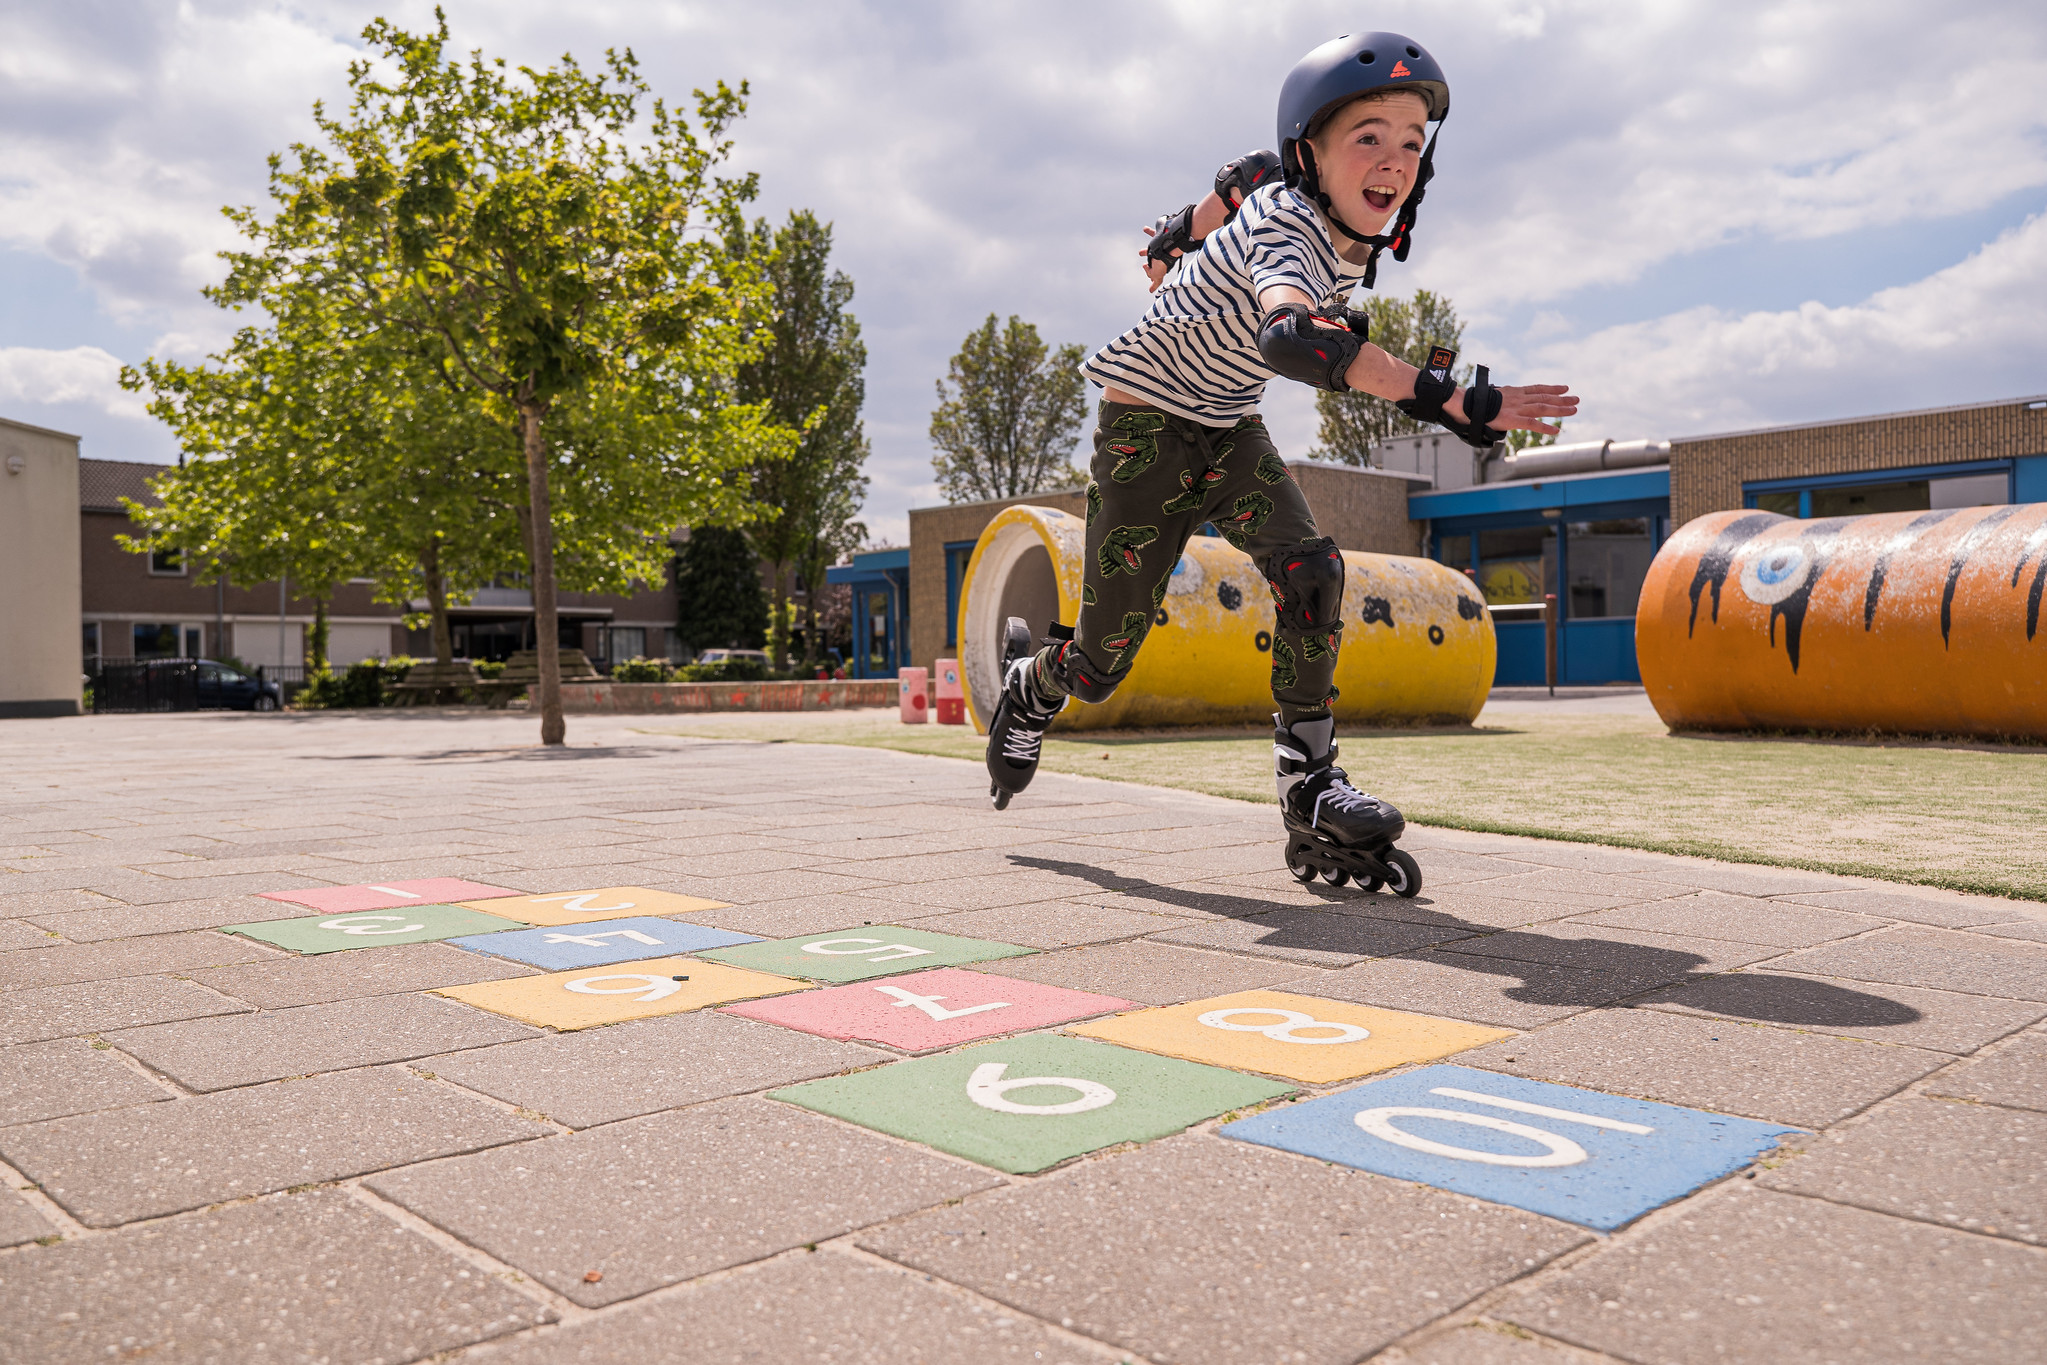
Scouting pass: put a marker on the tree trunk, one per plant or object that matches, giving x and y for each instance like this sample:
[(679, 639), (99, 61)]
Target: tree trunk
[(437, 602), (778, 618), (316, 642), (547, 635)]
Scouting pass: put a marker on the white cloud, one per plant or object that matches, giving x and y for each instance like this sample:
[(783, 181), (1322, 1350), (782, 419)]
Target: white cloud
[(84, 374)]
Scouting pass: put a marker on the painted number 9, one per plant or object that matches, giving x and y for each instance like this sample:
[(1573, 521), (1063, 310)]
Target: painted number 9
[(1288, 1029), (987, 1089)]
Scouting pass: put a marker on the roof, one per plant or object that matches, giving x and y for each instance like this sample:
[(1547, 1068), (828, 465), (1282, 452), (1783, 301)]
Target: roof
[(2034, 401), (103, 483), (40, 431)]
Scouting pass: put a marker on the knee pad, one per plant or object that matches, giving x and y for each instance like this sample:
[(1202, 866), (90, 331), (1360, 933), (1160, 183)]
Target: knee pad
[(1077, 673), (1307, 586)]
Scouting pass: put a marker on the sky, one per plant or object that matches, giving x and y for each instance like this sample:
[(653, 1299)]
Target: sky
[(1703, 216)]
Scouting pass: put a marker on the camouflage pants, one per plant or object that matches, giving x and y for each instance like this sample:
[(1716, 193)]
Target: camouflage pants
[(1156, 479)]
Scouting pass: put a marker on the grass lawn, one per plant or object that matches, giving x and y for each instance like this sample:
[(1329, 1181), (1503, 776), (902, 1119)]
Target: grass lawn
[(1971, 817)]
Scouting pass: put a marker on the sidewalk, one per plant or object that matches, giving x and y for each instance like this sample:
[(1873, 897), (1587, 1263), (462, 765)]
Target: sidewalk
[(732, 1051)]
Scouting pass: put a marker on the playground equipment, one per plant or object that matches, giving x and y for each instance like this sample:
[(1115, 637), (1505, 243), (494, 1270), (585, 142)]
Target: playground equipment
[(1911, 622), (1418, 642)]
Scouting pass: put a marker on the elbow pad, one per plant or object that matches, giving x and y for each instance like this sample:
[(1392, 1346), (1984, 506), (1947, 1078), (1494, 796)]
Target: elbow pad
[(1242, 178), (1172, 236), (1313, 349), (1434, 387)]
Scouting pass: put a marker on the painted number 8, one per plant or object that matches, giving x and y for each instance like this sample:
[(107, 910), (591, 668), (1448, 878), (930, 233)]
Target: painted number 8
[(1288, 1029)]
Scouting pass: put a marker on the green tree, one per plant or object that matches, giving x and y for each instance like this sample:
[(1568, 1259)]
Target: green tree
[(528, 238), (719, 602), (1008, 415), (1352, 422), (809, 377)]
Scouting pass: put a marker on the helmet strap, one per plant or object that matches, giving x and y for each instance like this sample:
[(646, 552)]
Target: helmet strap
[(1402, 236)]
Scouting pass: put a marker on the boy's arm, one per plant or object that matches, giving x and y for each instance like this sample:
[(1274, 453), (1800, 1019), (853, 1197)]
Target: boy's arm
[(1178, 233)]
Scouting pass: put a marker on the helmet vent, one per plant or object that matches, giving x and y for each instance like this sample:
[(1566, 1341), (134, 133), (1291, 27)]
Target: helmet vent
[(1413, 51), (1365, 57)]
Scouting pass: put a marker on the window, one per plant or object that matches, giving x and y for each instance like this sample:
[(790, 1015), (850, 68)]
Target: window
[(1934, 487), (957, 553), (1454, 551), (92, 641), (1862, 499), (1517, 564), (1783, 504), (170, 563), (195, 642), (625, 642), (156, 640), (1607, 561)]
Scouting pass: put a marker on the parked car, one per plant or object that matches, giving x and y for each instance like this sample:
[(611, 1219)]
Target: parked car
[(223, 688), (726, 656)]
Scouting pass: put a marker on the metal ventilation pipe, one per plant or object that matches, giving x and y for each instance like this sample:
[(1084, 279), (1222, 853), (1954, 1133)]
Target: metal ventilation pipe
[(1585, 457)]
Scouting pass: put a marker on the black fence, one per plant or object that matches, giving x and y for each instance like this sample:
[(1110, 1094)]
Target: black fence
[(156, 685)]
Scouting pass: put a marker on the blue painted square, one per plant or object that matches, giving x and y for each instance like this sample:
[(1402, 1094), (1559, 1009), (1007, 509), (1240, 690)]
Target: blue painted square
[(1596, 1160), (601, 942)]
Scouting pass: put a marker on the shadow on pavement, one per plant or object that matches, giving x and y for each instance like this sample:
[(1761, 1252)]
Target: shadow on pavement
[(1584, 972)]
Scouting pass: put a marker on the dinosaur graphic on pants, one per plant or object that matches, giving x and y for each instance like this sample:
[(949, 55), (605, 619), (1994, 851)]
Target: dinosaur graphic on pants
[(1139, 446), (1119, 549), (1245, 518), (1194, 487), (1136, 625)]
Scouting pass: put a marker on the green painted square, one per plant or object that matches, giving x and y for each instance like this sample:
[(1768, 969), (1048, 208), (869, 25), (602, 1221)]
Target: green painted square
[(1087, 1096), (858, 954), (373, 928)]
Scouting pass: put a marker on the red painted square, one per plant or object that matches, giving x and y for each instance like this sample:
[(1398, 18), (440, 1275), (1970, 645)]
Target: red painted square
[(336, 900), (928, 1010)]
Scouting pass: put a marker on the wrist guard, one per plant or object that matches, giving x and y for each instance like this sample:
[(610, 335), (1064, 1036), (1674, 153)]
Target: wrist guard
[(1172, 233), (1434, 387), (1312, 348), (1240, 179)]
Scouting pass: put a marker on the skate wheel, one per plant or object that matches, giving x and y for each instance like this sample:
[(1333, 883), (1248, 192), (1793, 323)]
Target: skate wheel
[(1335, 876), (1406, 880), (1000, 796), (1302, 870), (1369, 883)]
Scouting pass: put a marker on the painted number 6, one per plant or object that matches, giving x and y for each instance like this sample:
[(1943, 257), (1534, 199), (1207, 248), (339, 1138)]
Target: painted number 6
[(1287, 1030), (646, 987)]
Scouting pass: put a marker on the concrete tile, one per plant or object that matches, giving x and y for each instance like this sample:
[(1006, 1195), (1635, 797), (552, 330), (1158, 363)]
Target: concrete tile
[(603, 1075), (15, 934), (1628, 953), (1817, 1282), (67, 1076), (182, 953), (1317, 938), (1175, 1251), (1242, 896), (1054, 924), (977, 893), (282, 1279), (1969, 963), (1473, 909), (215, 1054), (859, 954), (807, 915), (555, 1209), (1807, 1079), (1743, 879), (19, 1222), (927, 1011), (143, 1162), (1588, 890), (1947, 909), (30, 1016), (1941, 1020), (1972, 1166), (2014, 1076), (1145, 970), (1486, 990), (169, 917), (421, 891), (1741, 919), (766, 886), (594, 996), (2032, 930), (283, 981), (18, 903), (1490, 1343)]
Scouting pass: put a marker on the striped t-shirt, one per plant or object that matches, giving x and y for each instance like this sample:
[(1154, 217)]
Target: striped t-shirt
[(1195, 352)]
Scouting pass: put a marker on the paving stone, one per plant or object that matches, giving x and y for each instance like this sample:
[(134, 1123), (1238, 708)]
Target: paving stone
[(1490, 1343), (1969, 963), (181, 953), (651, 1201), (603, 1075), (1052, 924), (1807, 1079), (1742, 880), (13, 903), (859, 953), (20, 1222), (168, 917), (143, 1162), (2014, 1076), (67, 1076), (2031, 929), (1147, 971), (1628, 953), (1931, 907), (1972, 1166), (928, 1011), (30, 1016), (214, 1054), (1198, 1250), (1472, 909), (1941, 1020), (1586, 889), (1743, 919), (15, 934), (809, 915), (1486, 990), (1817, 1282), (282, 1279), (809, 1308), (280, 981), (1318, 938), (977, 893)]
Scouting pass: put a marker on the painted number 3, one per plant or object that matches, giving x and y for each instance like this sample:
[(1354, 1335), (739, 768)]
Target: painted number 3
[(1288, 1029)]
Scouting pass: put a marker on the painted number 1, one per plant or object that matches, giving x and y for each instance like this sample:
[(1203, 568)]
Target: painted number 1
[(1560, 1150)]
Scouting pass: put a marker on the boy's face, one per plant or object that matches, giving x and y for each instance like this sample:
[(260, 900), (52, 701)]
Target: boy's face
[(1369, 153)]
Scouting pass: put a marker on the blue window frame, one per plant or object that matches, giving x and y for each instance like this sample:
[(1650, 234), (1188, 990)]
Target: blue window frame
[(957, 553), (1794, 496)]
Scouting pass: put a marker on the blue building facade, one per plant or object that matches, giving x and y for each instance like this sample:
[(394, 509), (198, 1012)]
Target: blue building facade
[(880, 580)]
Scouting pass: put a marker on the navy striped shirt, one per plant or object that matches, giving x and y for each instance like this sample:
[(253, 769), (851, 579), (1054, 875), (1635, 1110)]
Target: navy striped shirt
[(1195, 351)]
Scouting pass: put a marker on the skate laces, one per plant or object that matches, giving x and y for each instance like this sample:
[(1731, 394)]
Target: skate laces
[(1342, 797)]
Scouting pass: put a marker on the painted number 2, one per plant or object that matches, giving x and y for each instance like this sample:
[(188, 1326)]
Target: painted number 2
[(1288, 1029), (580, 905), (1559, 1150), (987, 1088), (873, 949)]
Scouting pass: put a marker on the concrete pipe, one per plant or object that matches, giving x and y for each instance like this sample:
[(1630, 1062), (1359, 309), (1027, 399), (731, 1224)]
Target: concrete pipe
[(1417, 641), (1909, 622)]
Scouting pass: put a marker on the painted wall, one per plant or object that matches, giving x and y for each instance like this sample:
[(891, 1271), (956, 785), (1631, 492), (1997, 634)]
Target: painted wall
[(41, 666)]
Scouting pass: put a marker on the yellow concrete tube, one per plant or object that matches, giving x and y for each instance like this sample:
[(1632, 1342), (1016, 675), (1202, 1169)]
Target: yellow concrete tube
[(1908, 622), (1417, 642)]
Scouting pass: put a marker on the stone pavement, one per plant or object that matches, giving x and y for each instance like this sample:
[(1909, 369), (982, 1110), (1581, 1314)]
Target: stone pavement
[(1572, 1104)]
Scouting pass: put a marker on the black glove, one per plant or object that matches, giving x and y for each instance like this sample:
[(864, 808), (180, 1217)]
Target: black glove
[(1172, 233), (1434, 387)]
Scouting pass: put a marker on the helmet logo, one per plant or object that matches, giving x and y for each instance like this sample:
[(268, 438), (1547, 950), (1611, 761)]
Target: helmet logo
[(1400, 69)]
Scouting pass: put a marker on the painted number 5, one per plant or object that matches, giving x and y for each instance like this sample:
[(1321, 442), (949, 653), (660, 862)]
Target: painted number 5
[(873, 949), (1288, 1029), (367, 924), (987, 1089)]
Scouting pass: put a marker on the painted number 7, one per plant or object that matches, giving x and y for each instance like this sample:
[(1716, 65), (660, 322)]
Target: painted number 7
[(873, 949), (1561, 1150)]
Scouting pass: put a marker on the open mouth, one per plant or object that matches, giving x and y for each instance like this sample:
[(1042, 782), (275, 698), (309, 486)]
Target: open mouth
[(1381, 197)]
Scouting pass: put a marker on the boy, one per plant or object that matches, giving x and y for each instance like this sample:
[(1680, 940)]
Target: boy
[(1251, 283)]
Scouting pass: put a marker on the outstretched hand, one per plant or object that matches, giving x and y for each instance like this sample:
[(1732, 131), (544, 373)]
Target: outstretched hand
[(1526, 407), (1154, 270)]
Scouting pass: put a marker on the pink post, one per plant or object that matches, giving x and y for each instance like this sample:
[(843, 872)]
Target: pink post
[(950, 702), (910, 685)]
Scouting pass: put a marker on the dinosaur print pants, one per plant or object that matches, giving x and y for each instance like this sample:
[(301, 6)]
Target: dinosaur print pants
[(1156, 479)]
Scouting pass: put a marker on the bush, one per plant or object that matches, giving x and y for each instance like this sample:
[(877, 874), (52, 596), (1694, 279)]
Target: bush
[(639, 670), (364, 685), (735, 670), (489, 670)]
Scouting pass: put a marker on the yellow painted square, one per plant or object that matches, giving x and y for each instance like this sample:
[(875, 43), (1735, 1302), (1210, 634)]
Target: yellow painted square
[(556, 908), (1273, 1032), (590, 996)]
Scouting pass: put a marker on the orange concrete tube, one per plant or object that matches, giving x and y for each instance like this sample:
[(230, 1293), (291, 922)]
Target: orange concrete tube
[(1909, 622), (1417, 642)]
